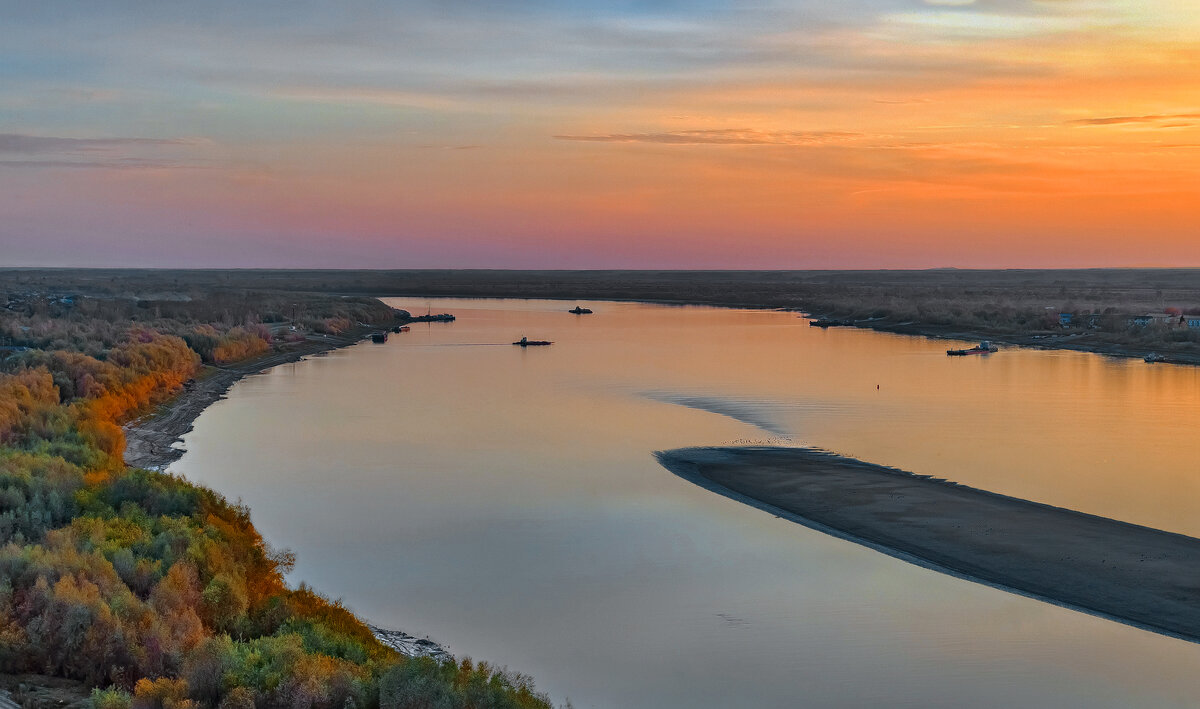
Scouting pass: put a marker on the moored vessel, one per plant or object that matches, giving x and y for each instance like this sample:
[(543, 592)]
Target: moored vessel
[(984, 347)]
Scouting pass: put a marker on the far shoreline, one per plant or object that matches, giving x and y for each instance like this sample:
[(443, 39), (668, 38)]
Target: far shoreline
[(1014, 307), (1066, 343), (151, 439)]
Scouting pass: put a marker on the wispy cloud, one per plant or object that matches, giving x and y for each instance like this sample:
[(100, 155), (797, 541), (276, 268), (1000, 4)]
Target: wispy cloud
[(368, 96), (1120, 120), (720, 136), (866, 116), (118, 164), (43, 151), (34, 144)]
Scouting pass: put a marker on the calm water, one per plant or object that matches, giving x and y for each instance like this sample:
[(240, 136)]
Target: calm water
[(505, 501)]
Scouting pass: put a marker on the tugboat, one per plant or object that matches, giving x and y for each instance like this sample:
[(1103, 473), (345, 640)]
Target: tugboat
[(526, 342), (984, 347), (580, 311)]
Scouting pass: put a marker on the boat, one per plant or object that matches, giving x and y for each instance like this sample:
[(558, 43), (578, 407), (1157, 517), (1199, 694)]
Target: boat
[(984, 347), (1154, 357), (580, 311), (440, 317), (379, 337), (526, 342), (830, 322)]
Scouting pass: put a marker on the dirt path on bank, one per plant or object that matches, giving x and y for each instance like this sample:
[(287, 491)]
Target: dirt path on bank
[(1141, 576)]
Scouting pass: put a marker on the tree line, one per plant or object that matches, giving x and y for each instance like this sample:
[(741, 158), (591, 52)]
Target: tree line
[(160, 593)]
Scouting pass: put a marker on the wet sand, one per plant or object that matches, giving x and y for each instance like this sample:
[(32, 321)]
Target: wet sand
[(1140, 576)]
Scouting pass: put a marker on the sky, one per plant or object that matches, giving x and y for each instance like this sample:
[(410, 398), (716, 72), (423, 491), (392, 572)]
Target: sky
[(625, 134)]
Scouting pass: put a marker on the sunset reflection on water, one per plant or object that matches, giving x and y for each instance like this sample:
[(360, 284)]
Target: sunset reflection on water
[(506, 501)]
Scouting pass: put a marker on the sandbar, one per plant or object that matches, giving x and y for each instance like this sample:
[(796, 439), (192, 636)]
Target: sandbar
[(1144, 577)]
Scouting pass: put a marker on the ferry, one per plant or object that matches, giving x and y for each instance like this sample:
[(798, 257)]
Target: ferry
[(440, 317), (526, 342), (984, 347)]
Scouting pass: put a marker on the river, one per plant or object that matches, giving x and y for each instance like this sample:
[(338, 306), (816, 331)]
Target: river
[(506, 502)]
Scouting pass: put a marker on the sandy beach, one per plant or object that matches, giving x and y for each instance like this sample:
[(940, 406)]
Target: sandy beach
[(1141, 576), (149, 439)]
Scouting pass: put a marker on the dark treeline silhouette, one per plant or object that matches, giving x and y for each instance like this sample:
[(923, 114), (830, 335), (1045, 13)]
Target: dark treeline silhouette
[(222, 326), (1010, 305)]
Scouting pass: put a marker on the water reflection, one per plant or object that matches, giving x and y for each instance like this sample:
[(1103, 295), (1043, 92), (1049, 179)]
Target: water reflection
[(505, 501)]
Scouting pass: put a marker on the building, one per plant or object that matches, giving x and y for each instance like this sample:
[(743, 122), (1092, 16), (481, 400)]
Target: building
[(1163, 319), (1065, 319)]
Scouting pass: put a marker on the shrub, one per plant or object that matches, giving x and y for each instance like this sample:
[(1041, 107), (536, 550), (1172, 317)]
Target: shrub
[(111, 698)]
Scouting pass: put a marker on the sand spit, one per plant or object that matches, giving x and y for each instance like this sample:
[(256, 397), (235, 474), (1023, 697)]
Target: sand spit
[(1140, 576)]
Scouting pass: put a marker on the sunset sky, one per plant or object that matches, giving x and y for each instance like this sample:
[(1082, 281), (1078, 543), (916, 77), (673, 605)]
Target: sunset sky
[(709, 134)]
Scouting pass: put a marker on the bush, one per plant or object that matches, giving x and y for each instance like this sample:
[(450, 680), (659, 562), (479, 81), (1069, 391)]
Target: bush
[(238, 698), (111, 698), (161, 693), (420, 683)]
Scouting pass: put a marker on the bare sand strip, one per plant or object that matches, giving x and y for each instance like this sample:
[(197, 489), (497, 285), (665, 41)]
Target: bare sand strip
[(1136, 575), (149, 441)]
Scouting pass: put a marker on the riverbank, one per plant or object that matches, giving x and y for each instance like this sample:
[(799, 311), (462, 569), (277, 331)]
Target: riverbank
[(1074, 341), (1136, 575), (1013, 306), (83, 532), (150, 440)]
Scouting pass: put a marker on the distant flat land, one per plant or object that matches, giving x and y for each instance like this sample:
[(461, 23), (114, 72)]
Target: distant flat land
[(1019, 307), (1139, 288), (1141, 576)]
